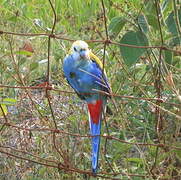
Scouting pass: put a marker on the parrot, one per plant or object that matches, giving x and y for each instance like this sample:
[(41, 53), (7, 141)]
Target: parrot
[(84, 72)]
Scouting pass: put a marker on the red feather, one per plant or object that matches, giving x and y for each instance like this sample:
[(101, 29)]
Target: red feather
[(95, 110)]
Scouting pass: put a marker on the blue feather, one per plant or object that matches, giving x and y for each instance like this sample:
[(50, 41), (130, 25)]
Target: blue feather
[(95, 129)]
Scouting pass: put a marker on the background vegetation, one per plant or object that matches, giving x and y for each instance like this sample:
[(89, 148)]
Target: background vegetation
[(44, 126)]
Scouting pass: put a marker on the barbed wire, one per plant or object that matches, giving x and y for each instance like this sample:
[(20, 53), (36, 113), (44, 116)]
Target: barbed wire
[(55, 36)]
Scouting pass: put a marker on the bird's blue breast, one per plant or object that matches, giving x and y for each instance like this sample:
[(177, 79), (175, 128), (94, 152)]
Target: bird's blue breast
[(84, 76)]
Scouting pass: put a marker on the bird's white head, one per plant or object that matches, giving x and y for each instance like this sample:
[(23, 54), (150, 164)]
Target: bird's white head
[(80, 49)]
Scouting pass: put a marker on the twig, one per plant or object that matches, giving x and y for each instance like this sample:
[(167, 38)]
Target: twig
[(158, 83), (105, 19), (4, 115)]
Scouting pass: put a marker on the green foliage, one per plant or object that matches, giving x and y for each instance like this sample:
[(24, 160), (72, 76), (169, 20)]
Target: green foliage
[(116, 25), (168, 56), (136, 75), (4, 103), (131, 55), (172, 26), (143, 24)]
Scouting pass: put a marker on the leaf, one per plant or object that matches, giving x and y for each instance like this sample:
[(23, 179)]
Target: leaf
[(131, 55), (164, 4), (42, 171), (168, 56), (4, 108), (8, 101), (166, 7), (33, 66), (116, 24), (13, 18), (170, 21), (172, 27), (27, 47), (142, 22), (177, 61), (135, 160), (152, 21), (24, 52)]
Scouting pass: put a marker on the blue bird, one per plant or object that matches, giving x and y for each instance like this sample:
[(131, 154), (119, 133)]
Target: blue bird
[(84, 72)]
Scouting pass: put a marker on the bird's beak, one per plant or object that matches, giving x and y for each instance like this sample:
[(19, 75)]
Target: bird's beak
[(84, 54)]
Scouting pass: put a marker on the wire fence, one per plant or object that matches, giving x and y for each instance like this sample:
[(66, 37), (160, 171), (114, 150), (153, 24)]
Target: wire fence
[(25, 149)]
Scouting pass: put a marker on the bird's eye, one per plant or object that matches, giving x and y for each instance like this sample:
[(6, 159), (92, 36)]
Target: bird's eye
[(82, 50), (75, 49)]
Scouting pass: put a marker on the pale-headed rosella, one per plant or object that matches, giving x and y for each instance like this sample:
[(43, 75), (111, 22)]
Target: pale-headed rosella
[(84, 72)]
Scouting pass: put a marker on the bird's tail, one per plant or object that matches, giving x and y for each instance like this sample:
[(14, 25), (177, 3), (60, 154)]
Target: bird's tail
[(95, 116)]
